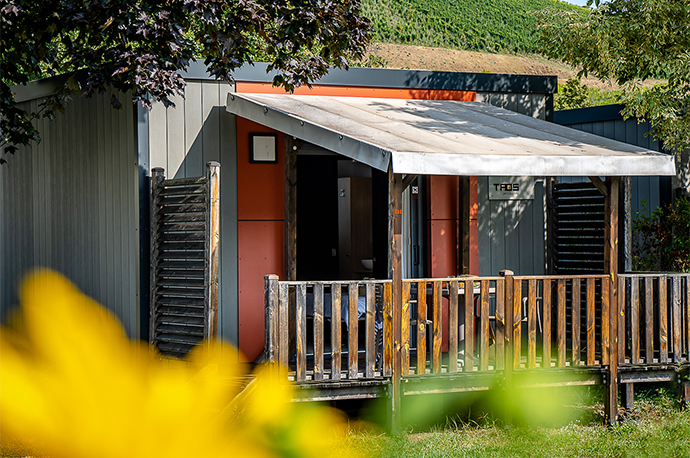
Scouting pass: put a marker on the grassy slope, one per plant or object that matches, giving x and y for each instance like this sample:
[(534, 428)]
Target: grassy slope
[(477, 25)]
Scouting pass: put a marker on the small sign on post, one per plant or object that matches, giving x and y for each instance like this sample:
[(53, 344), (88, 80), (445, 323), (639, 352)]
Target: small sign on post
[(511, 188)]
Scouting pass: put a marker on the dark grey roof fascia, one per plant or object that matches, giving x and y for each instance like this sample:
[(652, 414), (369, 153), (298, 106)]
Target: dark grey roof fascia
[(354, 77), (402, 79), (589, 114), (39, 88)]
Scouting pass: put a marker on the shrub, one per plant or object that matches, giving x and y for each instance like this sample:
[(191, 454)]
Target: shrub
[(661, 241)]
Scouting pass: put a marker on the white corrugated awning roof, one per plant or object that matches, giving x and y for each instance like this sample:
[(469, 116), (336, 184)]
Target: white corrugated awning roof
[(441, 137)]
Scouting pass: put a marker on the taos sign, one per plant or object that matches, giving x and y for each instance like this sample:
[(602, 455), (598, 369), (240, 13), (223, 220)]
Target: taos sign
[(511, 188)]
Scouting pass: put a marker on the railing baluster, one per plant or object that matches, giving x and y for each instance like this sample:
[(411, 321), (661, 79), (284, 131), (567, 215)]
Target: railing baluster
[(532, 324), (575, 312), (301, 332), (546, 324), (517, 325), (453, 326), (560, 323), (370, 338), (469, 326), (353, 329), (405, 334), (676, 318), (336, 338), (606, 324), (387, 329), (500, 324), (635, 320), (484, 325), (590, 323), (663, 319), (318, 331), (283, 330), (687, 317), (437, 327), (622, 319), (649, 320), (421, 327)]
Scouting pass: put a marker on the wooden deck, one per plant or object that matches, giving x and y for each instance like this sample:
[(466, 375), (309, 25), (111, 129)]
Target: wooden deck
[(479, 333)]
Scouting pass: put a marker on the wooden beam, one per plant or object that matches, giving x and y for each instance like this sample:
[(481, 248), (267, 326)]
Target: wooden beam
[(407, 181), (600, 185), (611, 269), (291, 148), (157, 177), (212, 261), (395, 273)]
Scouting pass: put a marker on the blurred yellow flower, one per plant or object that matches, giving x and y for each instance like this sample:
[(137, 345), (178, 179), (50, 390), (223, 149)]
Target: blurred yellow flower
[(73, 384)]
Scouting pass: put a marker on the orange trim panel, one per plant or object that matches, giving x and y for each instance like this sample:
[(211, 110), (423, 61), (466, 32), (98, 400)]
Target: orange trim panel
[(345, 91)]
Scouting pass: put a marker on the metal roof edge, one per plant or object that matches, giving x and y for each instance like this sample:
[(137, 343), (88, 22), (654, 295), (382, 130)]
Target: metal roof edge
[(506, 165), (590, 114), (353, 77), (366, 153), (416, 79)]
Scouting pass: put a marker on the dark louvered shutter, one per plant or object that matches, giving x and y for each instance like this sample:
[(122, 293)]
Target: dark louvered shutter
[(576, 223), (184, 260)]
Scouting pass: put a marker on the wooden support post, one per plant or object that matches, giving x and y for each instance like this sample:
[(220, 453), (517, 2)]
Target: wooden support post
[(291, 147), (212, 251), (395, 273), (271, 317), (611, 268), (685, 393), (157, 176), (628, 400)]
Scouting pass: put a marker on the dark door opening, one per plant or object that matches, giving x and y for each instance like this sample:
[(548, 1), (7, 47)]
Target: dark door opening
[(342, 218)]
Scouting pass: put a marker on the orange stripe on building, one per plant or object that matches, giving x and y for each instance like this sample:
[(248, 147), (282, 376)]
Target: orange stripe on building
[(375, 92)]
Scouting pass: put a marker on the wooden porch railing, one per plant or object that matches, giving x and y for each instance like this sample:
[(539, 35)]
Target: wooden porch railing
[(448, 325), (492, 327), (656, 310), (303, 344)]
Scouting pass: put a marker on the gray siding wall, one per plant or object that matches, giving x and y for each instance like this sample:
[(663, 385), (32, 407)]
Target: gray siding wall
[(528, 104), (644, 189), (182, 140), (70, 203), (511, 232)]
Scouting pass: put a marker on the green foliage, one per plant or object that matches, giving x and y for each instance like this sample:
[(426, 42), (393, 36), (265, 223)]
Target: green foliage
[(575, 94), (478, 25), (661, 241), (142, 46), (572, 94), (629, 41)]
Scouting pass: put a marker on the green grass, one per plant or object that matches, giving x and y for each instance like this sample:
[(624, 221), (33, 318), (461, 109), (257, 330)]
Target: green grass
[(657, 428), (475, 25)]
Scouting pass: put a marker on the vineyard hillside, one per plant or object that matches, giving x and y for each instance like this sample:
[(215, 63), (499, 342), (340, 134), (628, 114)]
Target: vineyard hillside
[(476, 25)]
